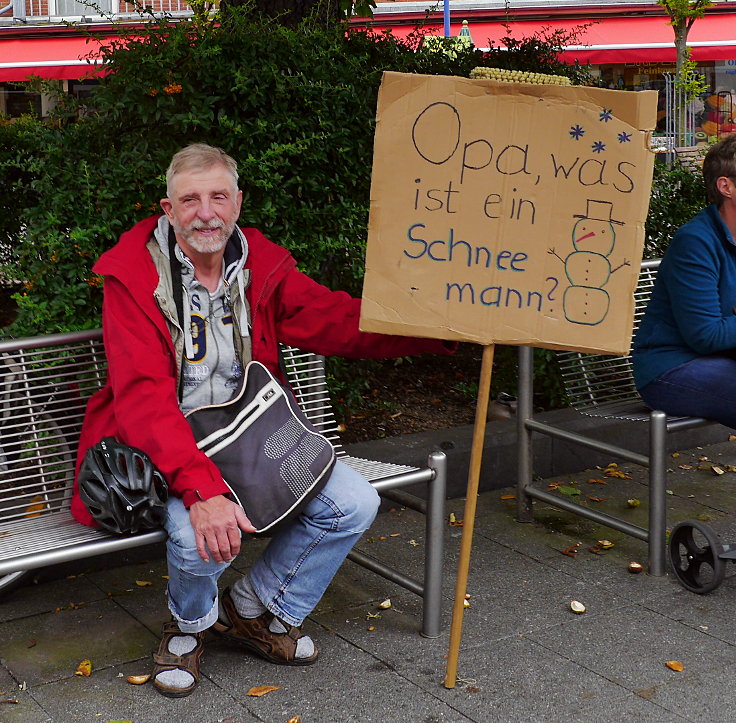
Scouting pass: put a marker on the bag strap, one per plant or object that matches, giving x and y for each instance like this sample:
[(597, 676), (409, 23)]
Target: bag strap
[(178, 301)]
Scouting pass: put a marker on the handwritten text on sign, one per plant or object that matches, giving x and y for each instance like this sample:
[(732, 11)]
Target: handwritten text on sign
[(508, 214)]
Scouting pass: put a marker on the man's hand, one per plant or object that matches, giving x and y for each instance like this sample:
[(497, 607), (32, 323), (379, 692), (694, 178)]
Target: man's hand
[(216, 522)]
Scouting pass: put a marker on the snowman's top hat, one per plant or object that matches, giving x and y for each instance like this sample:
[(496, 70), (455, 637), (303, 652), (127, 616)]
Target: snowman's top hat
[(598, 211)]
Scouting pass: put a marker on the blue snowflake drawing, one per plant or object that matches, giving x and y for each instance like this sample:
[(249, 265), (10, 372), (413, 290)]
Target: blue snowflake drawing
[(576, 132), (606, 115), (598, 147), (624, 137)]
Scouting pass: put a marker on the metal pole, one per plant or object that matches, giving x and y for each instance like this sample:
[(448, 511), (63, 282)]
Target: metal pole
[(446, 14)]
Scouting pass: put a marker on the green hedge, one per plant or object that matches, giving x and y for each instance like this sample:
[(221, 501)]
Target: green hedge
[(295, 107), (678, 194)]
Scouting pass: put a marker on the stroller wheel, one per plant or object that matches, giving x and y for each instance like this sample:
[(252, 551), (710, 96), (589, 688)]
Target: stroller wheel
[(694, 554)]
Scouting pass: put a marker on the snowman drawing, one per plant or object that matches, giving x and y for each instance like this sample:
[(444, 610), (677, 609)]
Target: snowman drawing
[(588, 267)]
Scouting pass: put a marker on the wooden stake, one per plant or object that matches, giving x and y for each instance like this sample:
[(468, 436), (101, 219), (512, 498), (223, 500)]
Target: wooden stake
[(471, 498)]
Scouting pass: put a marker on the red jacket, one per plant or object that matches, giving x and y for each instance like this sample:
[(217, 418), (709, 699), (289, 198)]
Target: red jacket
[(139, 404)]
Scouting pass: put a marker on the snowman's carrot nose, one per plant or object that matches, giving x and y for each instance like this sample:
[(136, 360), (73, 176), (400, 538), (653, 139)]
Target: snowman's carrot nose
[(587, 235)]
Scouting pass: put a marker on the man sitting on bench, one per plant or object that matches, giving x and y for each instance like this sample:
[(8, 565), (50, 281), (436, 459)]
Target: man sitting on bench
[(685, 349), (243, 295)]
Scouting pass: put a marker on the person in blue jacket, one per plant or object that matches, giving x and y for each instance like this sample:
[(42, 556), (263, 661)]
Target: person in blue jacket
[(685, 349)]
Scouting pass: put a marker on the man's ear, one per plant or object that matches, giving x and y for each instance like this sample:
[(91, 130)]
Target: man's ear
[(167, 207), (725, 186)]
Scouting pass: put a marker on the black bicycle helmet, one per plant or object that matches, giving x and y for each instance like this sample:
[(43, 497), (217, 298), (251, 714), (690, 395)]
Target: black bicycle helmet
[(122, 488)]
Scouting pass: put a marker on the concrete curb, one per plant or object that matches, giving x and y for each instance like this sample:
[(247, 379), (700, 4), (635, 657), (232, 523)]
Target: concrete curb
[(552, 457)]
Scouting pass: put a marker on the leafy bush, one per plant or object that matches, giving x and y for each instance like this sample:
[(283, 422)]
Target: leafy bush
[(678, 194), (295, 107)]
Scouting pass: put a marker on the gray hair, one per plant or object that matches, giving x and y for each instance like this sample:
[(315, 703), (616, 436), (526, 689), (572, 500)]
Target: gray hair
[(200, 157), (719, 161)]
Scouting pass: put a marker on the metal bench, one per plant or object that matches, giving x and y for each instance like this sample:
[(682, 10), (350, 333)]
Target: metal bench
[(602, 386), (45, 383)]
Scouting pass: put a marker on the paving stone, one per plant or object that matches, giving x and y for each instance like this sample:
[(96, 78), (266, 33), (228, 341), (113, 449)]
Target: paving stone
[(346, 685), (700, 696), (16, 705), (648, 639), (49, 646), (107, 696), (516, 680), (31, 599)]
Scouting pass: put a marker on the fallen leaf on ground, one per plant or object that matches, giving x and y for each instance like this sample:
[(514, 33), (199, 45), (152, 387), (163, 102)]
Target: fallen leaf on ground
[(572, 550), (675, 665), (675, 455), (413, 543), (508, 497), (395, 534), (685, 466), (385, 605), (577, 607), (32, 643), (259, 690), (143, 583), (605, 544), (718, 470), (596, 481), (593, 498), (617, 473), (569, 491), (84, 668), (633, 503), (295, 719), (138, 679)]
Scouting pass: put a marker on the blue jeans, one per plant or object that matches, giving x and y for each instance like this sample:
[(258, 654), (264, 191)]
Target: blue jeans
[(294, 570), (704, 387)]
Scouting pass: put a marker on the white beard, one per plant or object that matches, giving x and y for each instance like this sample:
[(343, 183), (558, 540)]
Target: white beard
[(205, 246)]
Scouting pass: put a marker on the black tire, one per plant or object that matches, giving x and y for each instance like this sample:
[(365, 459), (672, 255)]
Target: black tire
[(694, 555)]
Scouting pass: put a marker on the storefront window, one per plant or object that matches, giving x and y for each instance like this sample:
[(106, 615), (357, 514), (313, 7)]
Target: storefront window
[(16, 100)]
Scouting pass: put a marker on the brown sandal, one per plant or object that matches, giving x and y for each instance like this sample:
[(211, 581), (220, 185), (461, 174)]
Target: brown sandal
[(254, 634), (164, 660)]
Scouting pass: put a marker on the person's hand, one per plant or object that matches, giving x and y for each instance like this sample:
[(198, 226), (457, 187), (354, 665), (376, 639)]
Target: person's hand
[(217, 523)]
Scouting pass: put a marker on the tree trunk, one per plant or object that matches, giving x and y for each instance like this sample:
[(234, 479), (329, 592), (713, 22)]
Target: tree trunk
[(681, 30)]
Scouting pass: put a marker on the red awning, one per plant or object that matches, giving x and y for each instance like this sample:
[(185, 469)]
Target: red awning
[(56, 58), (636, 39)]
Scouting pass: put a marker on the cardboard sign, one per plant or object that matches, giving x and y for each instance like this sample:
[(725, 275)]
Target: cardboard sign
[(507, 213)]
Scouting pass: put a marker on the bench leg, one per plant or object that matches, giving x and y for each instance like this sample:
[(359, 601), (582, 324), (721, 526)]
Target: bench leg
[(657, 493), (524, 458), (435, 536)]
